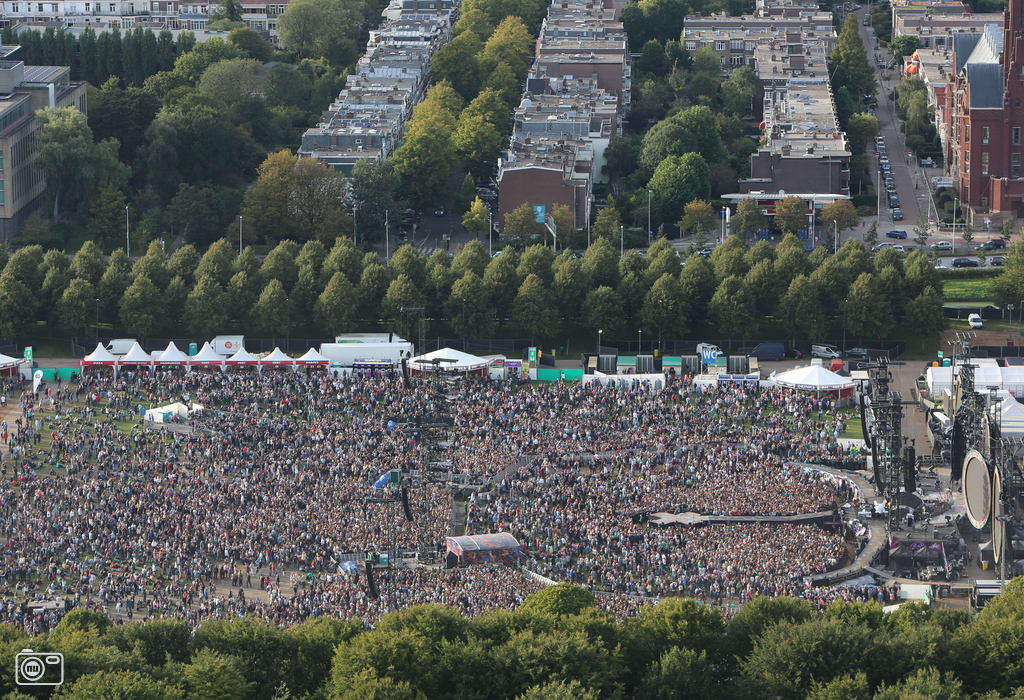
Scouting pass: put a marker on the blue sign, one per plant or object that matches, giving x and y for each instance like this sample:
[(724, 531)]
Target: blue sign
[(540, 213), (803, 234), (709, 356)]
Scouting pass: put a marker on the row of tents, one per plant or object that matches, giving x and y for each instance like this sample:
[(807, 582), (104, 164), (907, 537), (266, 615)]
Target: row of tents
[(206, 357)]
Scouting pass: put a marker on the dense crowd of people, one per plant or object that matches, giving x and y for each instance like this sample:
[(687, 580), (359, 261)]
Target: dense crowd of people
[(253, 505)]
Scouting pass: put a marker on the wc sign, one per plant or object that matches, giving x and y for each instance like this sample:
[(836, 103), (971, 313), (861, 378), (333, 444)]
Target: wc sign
[(709, 356)]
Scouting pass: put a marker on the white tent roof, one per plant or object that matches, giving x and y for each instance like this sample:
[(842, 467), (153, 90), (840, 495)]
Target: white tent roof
[(243, 357), (462, 361), (100, 356), (312, 357), (277, 357), (207, 356), (136, 356), (171, 356), (813, 377), (8, 361)]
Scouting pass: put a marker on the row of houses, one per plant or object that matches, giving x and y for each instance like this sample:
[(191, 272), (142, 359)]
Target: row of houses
[(368, 118), (971, 65), (576, 93)]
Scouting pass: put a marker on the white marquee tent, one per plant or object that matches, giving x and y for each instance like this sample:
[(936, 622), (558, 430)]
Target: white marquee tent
[(813, 378), (452, 360), (171, 356), (207, 356), (242, 357), (277, 358), (312, 357), (99, 357), (135, 356)]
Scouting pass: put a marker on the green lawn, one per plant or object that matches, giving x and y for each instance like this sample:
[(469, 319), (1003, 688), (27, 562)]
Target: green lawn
[(967, 290)]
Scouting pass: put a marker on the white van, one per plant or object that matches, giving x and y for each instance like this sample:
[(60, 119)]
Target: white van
[(825, 351), (974, 320)]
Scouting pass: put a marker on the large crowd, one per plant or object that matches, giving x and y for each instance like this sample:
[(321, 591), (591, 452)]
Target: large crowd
[(254, 505)]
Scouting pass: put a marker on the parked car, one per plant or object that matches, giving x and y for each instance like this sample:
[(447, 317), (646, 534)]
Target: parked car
[(439, 211), (768, 351), (825, 351), (884, 244), (857, 352), (927, 163), (897, 214), (706, 252), (890, 184), (896, 233), (894, 202), (974, 321), (943, 246), (903, 248), (964, 262), (997, 261), (994, 244), (794, 353)]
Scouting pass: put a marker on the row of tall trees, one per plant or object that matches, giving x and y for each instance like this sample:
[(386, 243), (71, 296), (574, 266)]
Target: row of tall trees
[(558, 645), (739, 290)]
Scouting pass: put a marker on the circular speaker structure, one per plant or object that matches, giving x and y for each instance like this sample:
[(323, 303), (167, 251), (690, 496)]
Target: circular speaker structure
[(998, 526), (977, 489)]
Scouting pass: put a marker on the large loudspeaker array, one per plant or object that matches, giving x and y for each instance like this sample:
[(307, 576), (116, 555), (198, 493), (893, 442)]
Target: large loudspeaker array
[(883, 418), (909, 469)]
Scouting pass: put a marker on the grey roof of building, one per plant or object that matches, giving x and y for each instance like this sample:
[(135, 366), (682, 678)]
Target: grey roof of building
[(986, 81), (963, 45)]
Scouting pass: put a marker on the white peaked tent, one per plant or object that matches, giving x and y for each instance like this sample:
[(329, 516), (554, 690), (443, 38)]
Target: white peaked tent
[(455, 361), (99, 357), (312, 357), (277, 358), (1011, 417), (207, 356), (135, 356), (242, 357), (6, 361), (171, 356), (813, 378)]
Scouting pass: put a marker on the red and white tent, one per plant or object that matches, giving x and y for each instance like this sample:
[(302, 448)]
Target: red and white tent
[(277, 358), (313, 357), (100, 357), (242, 357), (207, 357), (171, 356), (135, 356)]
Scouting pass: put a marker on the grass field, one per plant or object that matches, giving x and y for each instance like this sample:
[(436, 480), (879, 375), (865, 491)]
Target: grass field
[(967, 290)]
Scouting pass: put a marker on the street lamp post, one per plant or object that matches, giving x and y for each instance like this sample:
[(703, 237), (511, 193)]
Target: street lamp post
[(952, 236), (355, 223), (599, 332), (239, 234), (648, 216), (490, 233), (835, 228), (622, 240), (639, 340), (97, 320), (1020, 316), (127, 231)]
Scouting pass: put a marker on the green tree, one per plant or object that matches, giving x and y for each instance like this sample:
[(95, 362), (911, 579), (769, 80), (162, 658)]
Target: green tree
[(140, 307), (214, 676), (521, 224), (426, 157), (904, 45), (849, 60), (698, 283), (733, 309), (761, 613), (272, 310), (193, 64), (280, 265), (739, 91), (251, 43), (477, 143), (402, 292), (458, 64), (861, 129), (841, 213), (748, 219), (266, 202), (309, 27), (336, 306), (206, 308), (698, 219), (680, 674), (791, 214), (88, 263), (510, 43), (469, 312), (665, 309), (677, 181), (315, 200), (602, 310), (533, 311), (475, 220), (868, 313), (76, 304), (924, 315), (104, 685), (374, 186), (472, 258), (845, 688), (537, 260), (232, 80), (409, 262), (601, 265)]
